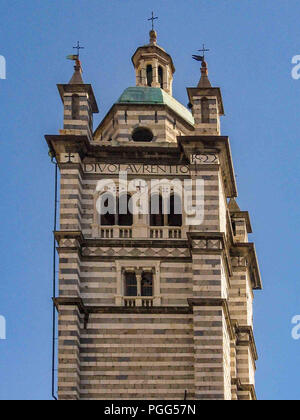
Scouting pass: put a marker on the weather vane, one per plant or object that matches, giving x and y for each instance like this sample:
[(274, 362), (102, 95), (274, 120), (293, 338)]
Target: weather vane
[(201, 57), (153, 19)]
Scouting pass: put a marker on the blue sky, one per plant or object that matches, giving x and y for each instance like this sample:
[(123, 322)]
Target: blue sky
[(252, 43)]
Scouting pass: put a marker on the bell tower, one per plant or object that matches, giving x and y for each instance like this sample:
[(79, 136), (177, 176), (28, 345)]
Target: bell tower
[(206, 104), (79, 104), (156, 272), (153, 66)]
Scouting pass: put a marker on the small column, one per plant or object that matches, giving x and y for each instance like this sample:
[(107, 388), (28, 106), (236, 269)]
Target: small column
[(144, 75), (155, 82), (139, 282), (141, 74)]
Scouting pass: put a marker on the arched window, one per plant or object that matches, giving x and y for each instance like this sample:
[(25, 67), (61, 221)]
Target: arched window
[(175, 216), (149, 75), (125, 217), (75, 107), (130, 284), (161, 77), (205, 110), (142, 134), (156, 210), (108, 210), (147, 284)]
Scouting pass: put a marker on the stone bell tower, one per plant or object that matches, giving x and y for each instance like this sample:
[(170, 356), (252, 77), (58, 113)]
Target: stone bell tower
[(207, 105), (79, 105), (156, 303)]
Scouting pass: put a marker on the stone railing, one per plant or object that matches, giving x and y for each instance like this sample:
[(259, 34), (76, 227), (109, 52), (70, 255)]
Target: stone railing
[(112, 232), (166, 233), (135, 232), (140, 301)]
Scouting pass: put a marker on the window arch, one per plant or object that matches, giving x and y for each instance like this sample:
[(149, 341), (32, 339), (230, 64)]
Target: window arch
[(142, 134), (156, 210), (125, 213), (75, 107), (205, 110), (161, 77), (175, 216), (108, 210), (115, 211), (149, 71)]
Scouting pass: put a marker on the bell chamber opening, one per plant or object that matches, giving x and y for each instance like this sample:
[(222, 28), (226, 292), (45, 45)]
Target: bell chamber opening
[(142, 134)]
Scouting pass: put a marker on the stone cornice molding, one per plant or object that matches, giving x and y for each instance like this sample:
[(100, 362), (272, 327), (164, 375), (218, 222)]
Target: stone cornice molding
[(245, 337), (247, 250), (244, 387), (87, 310), (215, 302)]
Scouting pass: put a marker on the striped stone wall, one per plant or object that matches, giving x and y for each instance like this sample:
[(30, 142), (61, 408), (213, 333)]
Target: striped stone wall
[(163, 123), (176, 282), (82, 125), (212, 351), (240, 304), (69, 329), (208, 202), (212, 339), (98, 282), (206, 128), (71, 198), (137, 356), (238, 291)]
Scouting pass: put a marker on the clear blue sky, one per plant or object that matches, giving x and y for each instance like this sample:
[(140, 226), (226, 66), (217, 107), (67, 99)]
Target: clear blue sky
[(252, 43)]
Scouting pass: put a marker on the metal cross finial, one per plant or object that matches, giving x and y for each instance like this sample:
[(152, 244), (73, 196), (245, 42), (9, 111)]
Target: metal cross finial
[(78, 48), (204, 50), (153, 19)]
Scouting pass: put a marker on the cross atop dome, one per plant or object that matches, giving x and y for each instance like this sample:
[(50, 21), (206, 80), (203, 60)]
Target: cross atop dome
[(153, 19)]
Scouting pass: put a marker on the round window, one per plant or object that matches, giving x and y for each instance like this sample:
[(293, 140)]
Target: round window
[(142, 134)]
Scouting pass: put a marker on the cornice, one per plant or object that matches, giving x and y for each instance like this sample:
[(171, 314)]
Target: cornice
[(79, 88), (245, 337), (207, 91), (247, 249), (243, 215), (244, 387), (198, 143), (215, 302)]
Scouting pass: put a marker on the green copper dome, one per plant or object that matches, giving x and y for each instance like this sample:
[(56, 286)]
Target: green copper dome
[(152, 96)]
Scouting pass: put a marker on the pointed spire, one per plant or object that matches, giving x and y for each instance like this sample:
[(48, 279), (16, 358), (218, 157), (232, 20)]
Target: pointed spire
[(204, 81), (233, 206), (77, 76)]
